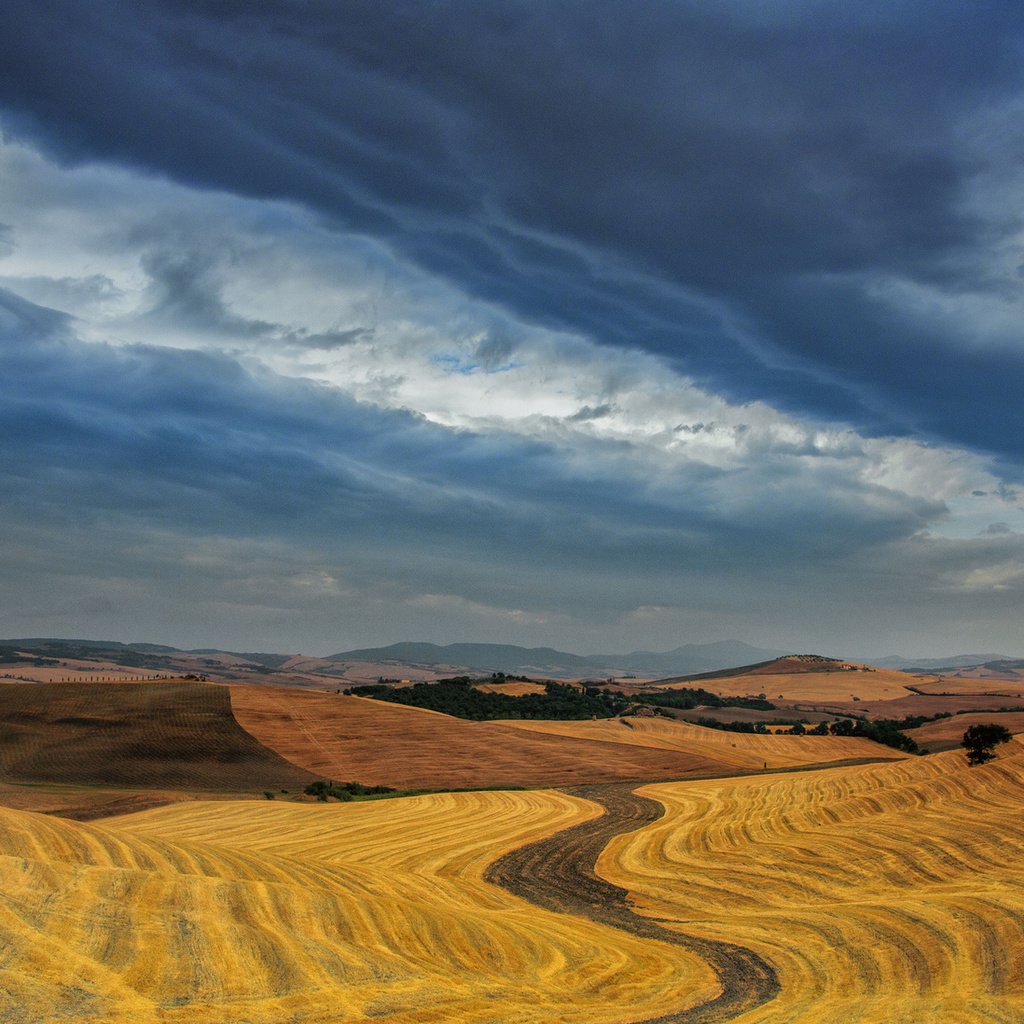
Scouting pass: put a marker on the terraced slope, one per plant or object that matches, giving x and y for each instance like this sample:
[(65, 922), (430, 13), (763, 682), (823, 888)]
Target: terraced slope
[(883, 894), (263, 913), (740, 751), (138, 735), (386, 744)]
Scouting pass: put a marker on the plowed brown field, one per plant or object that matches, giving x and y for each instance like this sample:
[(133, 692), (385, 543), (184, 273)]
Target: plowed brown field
[(137, 735)]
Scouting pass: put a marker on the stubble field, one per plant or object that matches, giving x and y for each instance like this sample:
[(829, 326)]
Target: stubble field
[(738, 751), (386, 744), (871, 893), (254, 913), (874, 894), (883, 894)]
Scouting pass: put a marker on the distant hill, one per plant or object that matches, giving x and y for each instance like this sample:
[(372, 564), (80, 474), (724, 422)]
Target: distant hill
[(954, 661), (789, 664), (546, 661)]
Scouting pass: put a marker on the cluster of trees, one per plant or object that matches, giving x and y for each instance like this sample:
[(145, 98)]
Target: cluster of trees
[(323, 789), (458, 697), (12, 656), (749, 727), (882, 730), (686, 699)]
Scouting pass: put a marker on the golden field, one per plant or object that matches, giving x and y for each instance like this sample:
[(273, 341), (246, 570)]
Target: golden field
[(954, 685), (339, 737), (947, 733), (877, 684), (737, 751), (242, 912), (882, 894)]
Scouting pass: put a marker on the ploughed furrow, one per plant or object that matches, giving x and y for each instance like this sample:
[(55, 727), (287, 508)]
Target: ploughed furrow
[(557, 874)]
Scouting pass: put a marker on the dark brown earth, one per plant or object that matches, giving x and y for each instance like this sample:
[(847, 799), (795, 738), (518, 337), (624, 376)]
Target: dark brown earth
[(557, 874), (154, 736)]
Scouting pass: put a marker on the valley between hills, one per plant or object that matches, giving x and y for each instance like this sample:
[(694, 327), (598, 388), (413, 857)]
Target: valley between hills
[(184, 837)]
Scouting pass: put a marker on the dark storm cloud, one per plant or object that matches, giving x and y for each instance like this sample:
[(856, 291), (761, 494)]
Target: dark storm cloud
[(192, 443), (723, 184), (184, 294)]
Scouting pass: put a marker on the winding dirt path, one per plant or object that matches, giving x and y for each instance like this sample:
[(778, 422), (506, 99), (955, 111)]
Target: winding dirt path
[(557, 874)]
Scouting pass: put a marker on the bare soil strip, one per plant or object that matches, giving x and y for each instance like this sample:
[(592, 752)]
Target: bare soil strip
[(557, 874)]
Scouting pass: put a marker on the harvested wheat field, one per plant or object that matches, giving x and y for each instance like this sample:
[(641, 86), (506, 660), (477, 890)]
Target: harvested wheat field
[(377, 743), (956, 686), (515, 688), (914, 704), (144, 735), (883, 894), (948, 732), (240, 912), (878, 684), (740, 751)]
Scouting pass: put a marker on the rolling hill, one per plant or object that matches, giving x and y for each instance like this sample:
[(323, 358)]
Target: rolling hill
[(376, 743), (165, 735), (545, 661), (207, 913), (880, 894)]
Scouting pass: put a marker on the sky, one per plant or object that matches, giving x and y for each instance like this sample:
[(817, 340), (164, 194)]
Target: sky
[(597, 325)]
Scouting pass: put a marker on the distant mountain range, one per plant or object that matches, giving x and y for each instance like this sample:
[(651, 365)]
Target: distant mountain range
[(939, 664), (687, 660), (546, 661)]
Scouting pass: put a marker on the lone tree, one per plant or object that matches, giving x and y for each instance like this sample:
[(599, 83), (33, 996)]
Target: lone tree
[(980, 741)]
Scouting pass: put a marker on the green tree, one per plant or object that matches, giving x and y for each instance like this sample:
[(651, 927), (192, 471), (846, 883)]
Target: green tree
[(980, 741)]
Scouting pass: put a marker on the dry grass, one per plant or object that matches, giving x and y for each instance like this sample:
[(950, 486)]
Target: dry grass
[(948, 732), (378, 743), (879, 684), (515, 688), (914, 704), (740, 751), (212, 913), (883, 894), (76, 671), (962, 686)]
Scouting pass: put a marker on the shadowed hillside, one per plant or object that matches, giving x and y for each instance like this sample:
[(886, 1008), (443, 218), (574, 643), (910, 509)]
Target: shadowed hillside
[(157, 735)]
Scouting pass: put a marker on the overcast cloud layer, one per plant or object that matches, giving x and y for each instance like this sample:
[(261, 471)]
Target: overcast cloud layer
[(593, 325)]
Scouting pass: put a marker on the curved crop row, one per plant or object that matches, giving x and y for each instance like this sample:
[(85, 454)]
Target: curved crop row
[(263, 912), (882, 894)]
